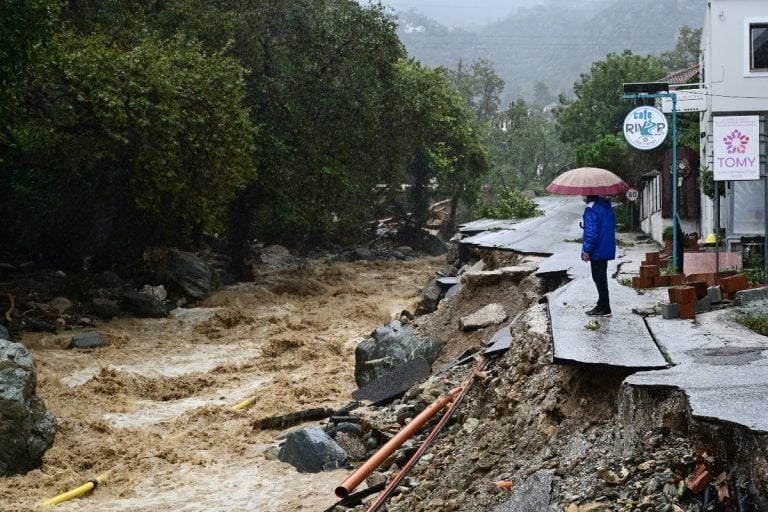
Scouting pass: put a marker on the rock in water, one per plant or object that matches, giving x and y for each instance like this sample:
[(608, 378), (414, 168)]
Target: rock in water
[(311, 450), (27, 428)]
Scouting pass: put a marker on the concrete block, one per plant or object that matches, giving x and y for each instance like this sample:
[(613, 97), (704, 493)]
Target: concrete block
[(715, 295), (704, 305), (751, 295), (670, 311)]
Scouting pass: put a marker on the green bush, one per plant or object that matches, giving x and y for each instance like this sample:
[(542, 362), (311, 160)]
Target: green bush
[(510, 204), (623, 217), (758, 322)]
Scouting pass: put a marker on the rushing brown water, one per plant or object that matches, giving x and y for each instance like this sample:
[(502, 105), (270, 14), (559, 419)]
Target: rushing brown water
[(155, 406)]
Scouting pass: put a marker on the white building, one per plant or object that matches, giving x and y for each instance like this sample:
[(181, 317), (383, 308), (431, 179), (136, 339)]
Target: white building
[(734, 72)]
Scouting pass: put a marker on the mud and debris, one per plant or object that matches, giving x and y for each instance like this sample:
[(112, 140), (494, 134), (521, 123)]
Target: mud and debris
[(155, 405)]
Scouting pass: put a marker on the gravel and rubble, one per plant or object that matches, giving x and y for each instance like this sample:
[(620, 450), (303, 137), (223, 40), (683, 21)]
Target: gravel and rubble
[(534, 436)]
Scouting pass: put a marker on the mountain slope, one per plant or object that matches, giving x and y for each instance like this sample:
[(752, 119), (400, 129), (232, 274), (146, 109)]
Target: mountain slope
[(553, 43)]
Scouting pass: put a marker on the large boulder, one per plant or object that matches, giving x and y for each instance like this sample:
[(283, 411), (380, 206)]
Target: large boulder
[(390, 346), (420, 239), (142, 305), (430, 298), (192, 276), (27, 428), (311, 450)]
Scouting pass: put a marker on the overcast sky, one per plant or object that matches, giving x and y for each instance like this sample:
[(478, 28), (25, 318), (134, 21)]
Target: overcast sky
[(461, 12)]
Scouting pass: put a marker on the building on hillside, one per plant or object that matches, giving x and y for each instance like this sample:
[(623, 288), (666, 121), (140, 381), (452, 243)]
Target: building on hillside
[(734, 68)]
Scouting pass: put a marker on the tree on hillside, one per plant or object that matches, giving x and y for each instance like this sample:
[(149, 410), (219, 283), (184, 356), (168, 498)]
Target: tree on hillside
[(525, 150), (480, 86), (686, 52), (598, 107), (442, 142), (542, 95)]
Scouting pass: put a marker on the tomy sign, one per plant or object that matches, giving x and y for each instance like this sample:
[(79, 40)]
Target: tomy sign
[(736, 147), (645, 128)]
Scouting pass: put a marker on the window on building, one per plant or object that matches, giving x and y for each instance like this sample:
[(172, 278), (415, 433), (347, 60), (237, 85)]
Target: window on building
[(758, 37)]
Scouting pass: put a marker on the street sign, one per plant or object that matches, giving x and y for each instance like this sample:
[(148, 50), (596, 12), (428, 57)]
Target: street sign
[(632, 194), (645, 128), (688, 100)]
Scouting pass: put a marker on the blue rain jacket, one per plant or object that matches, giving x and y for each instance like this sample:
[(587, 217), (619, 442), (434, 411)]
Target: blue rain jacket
[(599, 239)]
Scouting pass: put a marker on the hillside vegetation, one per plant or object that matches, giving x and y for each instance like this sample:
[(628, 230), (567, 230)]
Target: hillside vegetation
[(552, 43)]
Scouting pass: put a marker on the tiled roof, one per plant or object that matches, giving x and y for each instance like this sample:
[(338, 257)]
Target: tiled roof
[(681, 76)]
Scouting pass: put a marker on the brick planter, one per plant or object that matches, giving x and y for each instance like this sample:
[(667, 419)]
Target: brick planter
[(649, 270), (682, 295), (676, 279), (733, 284), (652, 258), (701, 288), (642, 282), (707, 277)]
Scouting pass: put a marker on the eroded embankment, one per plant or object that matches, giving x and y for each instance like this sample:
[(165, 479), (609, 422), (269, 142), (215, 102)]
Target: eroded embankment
[(566, 437)]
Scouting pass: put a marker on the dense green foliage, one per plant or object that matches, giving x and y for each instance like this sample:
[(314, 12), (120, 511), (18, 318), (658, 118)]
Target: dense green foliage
[(593, 119), (130, 125), (598, 108), (125, 126), (510, 204)]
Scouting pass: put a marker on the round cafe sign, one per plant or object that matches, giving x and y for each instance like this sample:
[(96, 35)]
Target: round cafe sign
[(645, 128)]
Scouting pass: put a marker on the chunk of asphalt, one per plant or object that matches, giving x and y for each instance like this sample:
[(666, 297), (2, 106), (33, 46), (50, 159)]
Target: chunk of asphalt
[(500, 342), (395, 382)]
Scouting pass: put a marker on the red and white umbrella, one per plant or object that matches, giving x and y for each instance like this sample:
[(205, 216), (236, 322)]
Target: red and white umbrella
[(587, 181)]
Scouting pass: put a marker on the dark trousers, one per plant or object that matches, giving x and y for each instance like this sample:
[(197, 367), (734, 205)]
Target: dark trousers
[(600, 277)]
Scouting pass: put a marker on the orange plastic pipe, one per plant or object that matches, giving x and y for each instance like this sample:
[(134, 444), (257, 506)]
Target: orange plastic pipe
[(343, 490)]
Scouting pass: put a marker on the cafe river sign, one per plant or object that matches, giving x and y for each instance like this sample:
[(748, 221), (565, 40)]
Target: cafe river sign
[(645, 128)]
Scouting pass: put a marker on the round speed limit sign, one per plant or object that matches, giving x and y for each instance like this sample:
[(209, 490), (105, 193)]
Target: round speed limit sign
[(632, 194)]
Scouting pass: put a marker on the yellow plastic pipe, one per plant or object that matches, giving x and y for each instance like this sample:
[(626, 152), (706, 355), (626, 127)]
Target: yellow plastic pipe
[(74, 493), (244, 403)]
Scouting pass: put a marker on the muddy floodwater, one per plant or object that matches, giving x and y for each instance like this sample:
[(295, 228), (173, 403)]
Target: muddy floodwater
[(155, 406)]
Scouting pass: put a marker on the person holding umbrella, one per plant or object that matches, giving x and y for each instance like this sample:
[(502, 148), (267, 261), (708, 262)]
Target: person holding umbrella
[(598, 247), (599, 223)]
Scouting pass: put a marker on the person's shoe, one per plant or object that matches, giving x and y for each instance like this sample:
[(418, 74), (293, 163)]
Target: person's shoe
[(598, 311)]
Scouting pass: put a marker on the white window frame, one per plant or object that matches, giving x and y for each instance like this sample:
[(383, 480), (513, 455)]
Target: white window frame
[(748, 22)]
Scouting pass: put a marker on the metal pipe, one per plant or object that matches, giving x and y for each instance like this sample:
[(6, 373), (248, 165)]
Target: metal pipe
[(717, 231), (343, 490), (675, 241)]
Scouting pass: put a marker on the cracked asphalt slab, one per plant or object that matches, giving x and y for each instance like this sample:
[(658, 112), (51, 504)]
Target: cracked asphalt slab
[(721, 366)]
